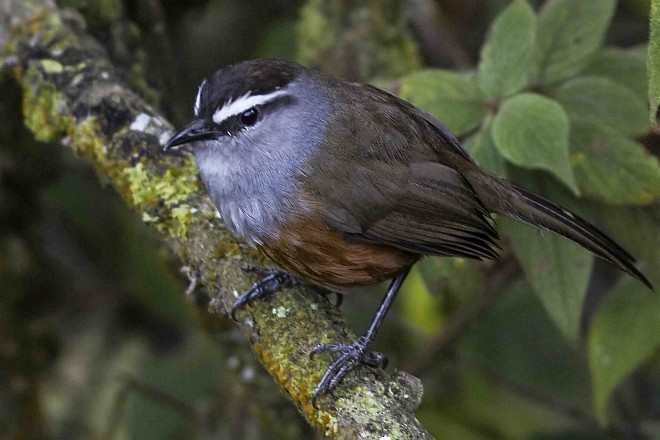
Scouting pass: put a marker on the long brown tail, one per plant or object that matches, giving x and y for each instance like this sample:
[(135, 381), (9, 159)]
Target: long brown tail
[(505, 198)]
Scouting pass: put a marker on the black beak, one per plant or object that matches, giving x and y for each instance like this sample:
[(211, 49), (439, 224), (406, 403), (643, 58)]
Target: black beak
[(197, 130)]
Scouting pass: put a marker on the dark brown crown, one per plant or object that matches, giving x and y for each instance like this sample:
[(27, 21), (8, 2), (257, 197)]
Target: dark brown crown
[(257, 77)]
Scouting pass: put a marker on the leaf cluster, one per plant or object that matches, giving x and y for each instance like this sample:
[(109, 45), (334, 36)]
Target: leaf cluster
[(552, 109)]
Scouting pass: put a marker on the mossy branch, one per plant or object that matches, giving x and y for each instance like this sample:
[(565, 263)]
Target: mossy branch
[(72, 94)]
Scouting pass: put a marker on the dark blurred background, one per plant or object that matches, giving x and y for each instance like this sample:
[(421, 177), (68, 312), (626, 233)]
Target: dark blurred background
[(97, 339)]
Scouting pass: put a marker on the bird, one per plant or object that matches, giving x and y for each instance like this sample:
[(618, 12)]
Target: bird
[(342, 184)]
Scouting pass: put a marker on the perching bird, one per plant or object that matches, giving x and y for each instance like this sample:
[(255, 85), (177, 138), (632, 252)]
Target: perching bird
[(343, 184)]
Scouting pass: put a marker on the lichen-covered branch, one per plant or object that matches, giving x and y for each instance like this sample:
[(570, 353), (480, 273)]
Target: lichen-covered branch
[(72, 94)]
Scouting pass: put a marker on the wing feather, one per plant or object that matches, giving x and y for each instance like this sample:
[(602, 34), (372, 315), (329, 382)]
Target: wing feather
[(387, 184), (430, 210)]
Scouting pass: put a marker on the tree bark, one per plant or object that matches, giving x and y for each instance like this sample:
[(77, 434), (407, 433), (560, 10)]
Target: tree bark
[(72, 94)]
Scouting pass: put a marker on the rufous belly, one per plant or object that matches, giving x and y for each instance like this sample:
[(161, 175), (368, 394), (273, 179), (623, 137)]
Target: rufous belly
[(312, 251)]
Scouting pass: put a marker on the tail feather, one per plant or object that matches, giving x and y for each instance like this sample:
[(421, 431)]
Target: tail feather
[(505, 198)]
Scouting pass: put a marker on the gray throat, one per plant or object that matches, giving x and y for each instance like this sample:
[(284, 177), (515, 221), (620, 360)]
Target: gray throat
[(253, 177)]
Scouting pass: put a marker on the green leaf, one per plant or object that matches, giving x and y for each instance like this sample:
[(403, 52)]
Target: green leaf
[(569, 33), (602, 101), (459, 280), (453, 98), (612, 168), (505, 57), (532, 131), (518, 341), (420, 306), (483, 150), (557, 269), (626, 67), (559, 272), (625, 332), (643, 241), (654, 61)]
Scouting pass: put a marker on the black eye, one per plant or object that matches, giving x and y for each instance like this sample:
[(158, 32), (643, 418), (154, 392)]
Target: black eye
[(249, 117)]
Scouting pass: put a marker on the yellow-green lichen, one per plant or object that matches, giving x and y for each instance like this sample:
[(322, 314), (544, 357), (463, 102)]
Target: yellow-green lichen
[(280, 312), (170, 190), (226, 249), (296, 381), (176, 185), (183, 216), (297, 374), (44, 108), (86, 140), (147, 218), (38, 22), (51, 66)]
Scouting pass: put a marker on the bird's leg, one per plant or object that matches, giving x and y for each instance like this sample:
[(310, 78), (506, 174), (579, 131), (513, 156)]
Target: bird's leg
[(357, 352), (272, 281)]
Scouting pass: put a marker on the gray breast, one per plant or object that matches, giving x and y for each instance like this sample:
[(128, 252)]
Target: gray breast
[(254, 177)]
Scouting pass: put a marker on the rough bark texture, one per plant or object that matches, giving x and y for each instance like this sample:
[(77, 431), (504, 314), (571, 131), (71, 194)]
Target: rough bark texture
[(72, 94)]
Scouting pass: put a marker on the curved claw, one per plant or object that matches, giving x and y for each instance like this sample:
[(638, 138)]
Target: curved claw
[(355, 353), (253, 293), (351, 356), (327, 347), (273, 280)]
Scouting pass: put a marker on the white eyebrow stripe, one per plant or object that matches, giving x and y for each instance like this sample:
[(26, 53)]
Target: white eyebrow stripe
[(245, 102), (198, 99)]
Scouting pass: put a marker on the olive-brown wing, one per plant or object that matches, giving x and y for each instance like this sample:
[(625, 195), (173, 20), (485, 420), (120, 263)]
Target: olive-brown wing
[(423, 208)]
